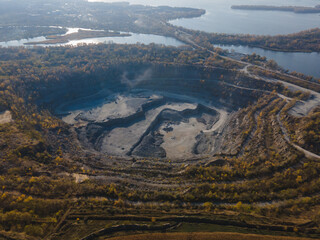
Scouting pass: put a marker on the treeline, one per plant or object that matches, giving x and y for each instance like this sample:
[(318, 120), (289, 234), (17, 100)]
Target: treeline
[(304, 41)]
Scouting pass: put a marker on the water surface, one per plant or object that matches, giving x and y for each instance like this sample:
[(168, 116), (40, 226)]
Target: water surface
[(307, 63), (221, 18), (133, 39)]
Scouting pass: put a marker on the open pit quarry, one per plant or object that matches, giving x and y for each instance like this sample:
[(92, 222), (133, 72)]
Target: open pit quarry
[(162, 138), (151, 111), (158, 111)]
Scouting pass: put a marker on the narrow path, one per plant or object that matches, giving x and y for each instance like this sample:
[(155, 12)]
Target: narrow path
[(222, 119)]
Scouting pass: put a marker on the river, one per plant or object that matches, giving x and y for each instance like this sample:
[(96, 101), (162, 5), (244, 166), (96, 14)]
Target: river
[(222, 19), (133, 39)]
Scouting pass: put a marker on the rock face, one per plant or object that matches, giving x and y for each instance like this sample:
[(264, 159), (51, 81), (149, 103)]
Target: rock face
[(150, 146), (150, 111)]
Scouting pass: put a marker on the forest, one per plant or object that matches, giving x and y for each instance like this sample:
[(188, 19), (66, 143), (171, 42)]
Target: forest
[(51, 185), (304, 41)]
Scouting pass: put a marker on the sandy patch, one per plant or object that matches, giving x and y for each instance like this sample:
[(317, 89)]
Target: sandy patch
[(79, 178), (5, 117)]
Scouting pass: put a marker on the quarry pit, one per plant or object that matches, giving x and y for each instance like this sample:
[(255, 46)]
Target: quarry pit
[(150, 111)]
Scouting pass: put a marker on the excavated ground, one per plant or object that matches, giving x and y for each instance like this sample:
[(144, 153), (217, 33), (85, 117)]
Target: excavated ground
[(5, 117), (155, 113), (143, 124)]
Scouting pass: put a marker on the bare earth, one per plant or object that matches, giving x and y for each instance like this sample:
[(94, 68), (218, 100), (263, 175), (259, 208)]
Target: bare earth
[(5, 117)]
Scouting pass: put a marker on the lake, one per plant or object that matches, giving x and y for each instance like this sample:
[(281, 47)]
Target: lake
[(221, 18)]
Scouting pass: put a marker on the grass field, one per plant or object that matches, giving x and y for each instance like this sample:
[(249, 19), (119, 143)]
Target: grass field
[(203, 236)]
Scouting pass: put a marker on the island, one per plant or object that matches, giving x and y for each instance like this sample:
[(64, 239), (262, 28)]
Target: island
[(295, 9), (81, 34)]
